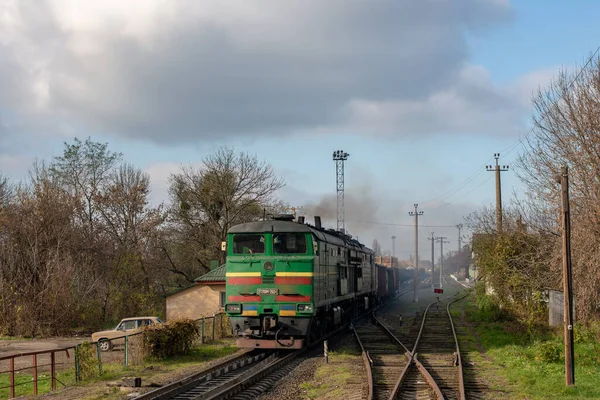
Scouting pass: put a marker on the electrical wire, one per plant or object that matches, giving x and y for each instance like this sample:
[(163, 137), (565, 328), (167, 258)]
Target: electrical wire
[(507, 150)]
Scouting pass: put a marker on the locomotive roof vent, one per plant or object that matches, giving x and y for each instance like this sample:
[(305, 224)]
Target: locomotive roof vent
[(283, 217)]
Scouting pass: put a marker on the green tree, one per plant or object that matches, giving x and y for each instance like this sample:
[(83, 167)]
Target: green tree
[(83, 171)]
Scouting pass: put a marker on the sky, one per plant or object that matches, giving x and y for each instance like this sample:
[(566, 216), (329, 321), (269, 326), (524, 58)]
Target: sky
[(421, 94)]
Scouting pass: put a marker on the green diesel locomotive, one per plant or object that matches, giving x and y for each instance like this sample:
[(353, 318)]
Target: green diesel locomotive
[(289, 283)]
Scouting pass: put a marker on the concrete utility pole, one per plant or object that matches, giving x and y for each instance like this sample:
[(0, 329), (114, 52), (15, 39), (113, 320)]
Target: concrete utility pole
[(459, 226), (441, 241), (567, 279), (432, 238), (339, 156), (393, 246), (497, 169), (416, 263)]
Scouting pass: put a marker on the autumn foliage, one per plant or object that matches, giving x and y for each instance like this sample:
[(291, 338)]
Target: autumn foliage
[(81, 245)]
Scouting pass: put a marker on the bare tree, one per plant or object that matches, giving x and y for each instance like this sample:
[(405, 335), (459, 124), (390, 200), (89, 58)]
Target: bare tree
[(227, 190), (47, 290), (376, 248), (567, 131), (6, 191)]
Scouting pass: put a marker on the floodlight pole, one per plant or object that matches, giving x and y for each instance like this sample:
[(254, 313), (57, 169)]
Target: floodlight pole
[(339, 156)]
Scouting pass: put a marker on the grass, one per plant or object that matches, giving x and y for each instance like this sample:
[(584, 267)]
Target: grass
[(116, 370), (532, 365), (15, 338), (330, 379)]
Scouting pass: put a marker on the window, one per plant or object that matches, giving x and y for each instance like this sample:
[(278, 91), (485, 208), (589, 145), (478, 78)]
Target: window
[(359, 272), (127, 325), (222, 299), (248, 244), (289, 243), (144, 322)]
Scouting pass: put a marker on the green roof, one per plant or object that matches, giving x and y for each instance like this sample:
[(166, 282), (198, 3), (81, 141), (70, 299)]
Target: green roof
[(216, 275)]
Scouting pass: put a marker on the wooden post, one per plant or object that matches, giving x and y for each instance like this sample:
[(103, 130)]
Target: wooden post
[(99, 358), (53, 370), (12, 377), (567, 280), (326, 352), (126, 361), (35, 375)]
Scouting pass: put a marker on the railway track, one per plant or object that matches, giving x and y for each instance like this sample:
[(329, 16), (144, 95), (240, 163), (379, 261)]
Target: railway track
[(431, 370), (243, 377), (199, 385)]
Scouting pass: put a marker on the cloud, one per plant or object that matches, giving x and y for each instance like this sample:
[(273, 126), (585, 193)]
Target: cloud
[(469, 105), (181, 71)]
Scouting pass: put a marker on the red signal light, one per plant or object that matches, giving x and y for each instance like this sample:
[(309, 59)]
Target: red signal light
[(438, 290)]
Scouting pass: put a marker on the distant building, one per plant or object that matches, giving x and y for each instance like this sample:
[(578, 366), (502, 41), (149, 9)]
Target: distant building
[(204, 298), (388, 261)]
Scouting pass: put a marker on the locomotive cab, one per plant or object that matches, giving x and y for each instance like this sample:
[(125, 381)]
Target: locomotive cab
[(269, 288)]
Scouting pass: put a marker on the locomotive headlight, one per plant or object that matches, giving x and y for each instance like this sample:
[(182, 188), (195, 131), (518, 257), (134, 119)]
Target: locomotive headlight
[(233, 308), (307, 308)]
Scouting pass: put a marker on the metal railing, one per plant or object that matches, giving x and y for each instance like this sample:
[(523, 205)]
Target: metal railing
[(88, 358)]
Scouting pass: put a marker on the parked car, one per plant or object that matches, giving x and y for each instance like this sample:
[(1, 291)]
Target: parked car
[(127, 326)]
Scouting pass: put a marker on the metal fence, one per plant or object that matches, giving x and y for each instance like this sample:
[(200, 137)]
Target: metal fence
[(41, 371)]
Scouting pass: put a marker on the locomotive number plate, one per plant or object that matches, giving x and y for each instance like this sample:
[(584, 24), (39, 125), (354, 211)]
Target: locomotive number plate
[(267, 291)]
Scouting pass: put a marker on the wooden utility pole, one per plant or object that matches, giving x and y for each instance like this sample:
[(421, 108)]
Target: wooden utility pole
[(441, 240), (416, 262), (567, 279), (432, 238), (498, 169)]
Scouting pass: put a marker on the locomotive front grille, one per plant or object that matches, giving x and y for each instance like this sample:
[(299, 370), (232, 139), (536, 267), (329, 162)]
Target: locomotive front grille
[(268, 279)]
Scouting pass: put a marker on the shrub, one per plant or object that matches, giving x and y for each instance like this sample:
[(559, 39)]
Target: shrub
[(548, 352), (175, 337), (87, 357), (586, 333), (488, 309)]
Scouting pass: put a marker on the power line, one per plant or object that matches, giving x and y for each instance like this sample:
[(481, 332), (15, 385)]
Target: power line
[(391, 224), (509, 149)]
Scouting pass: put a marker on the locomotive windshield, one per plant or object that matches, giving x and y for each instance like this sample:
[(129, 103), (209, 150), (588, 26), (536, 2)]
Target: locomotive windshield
[(248, 244), (289, 243)]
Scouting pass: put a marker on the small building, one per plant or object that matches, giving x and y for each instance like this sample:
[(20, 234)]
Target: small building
[(388, 261), (205, 297)]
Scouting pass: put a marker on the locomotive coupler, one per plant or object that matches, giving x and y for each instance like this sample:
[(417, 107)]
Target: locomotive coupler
[(269, 323)]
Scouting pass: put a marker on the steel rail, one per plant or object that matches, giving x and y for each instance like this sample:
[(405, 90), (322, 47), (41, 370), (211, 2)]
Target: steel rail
[(243, 380), (412, 357), (180, 386), (368, 363), (251, 377), (461, 380), (367, 360)]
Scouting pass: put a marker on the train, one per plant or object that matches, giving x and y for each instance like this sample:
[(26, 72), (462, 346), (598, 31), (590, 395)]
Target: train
[(288, 283)]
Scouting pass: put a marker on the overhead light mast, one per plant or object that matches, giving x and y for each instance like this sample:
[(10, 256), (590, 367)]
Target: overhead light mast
[(339, 156)]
